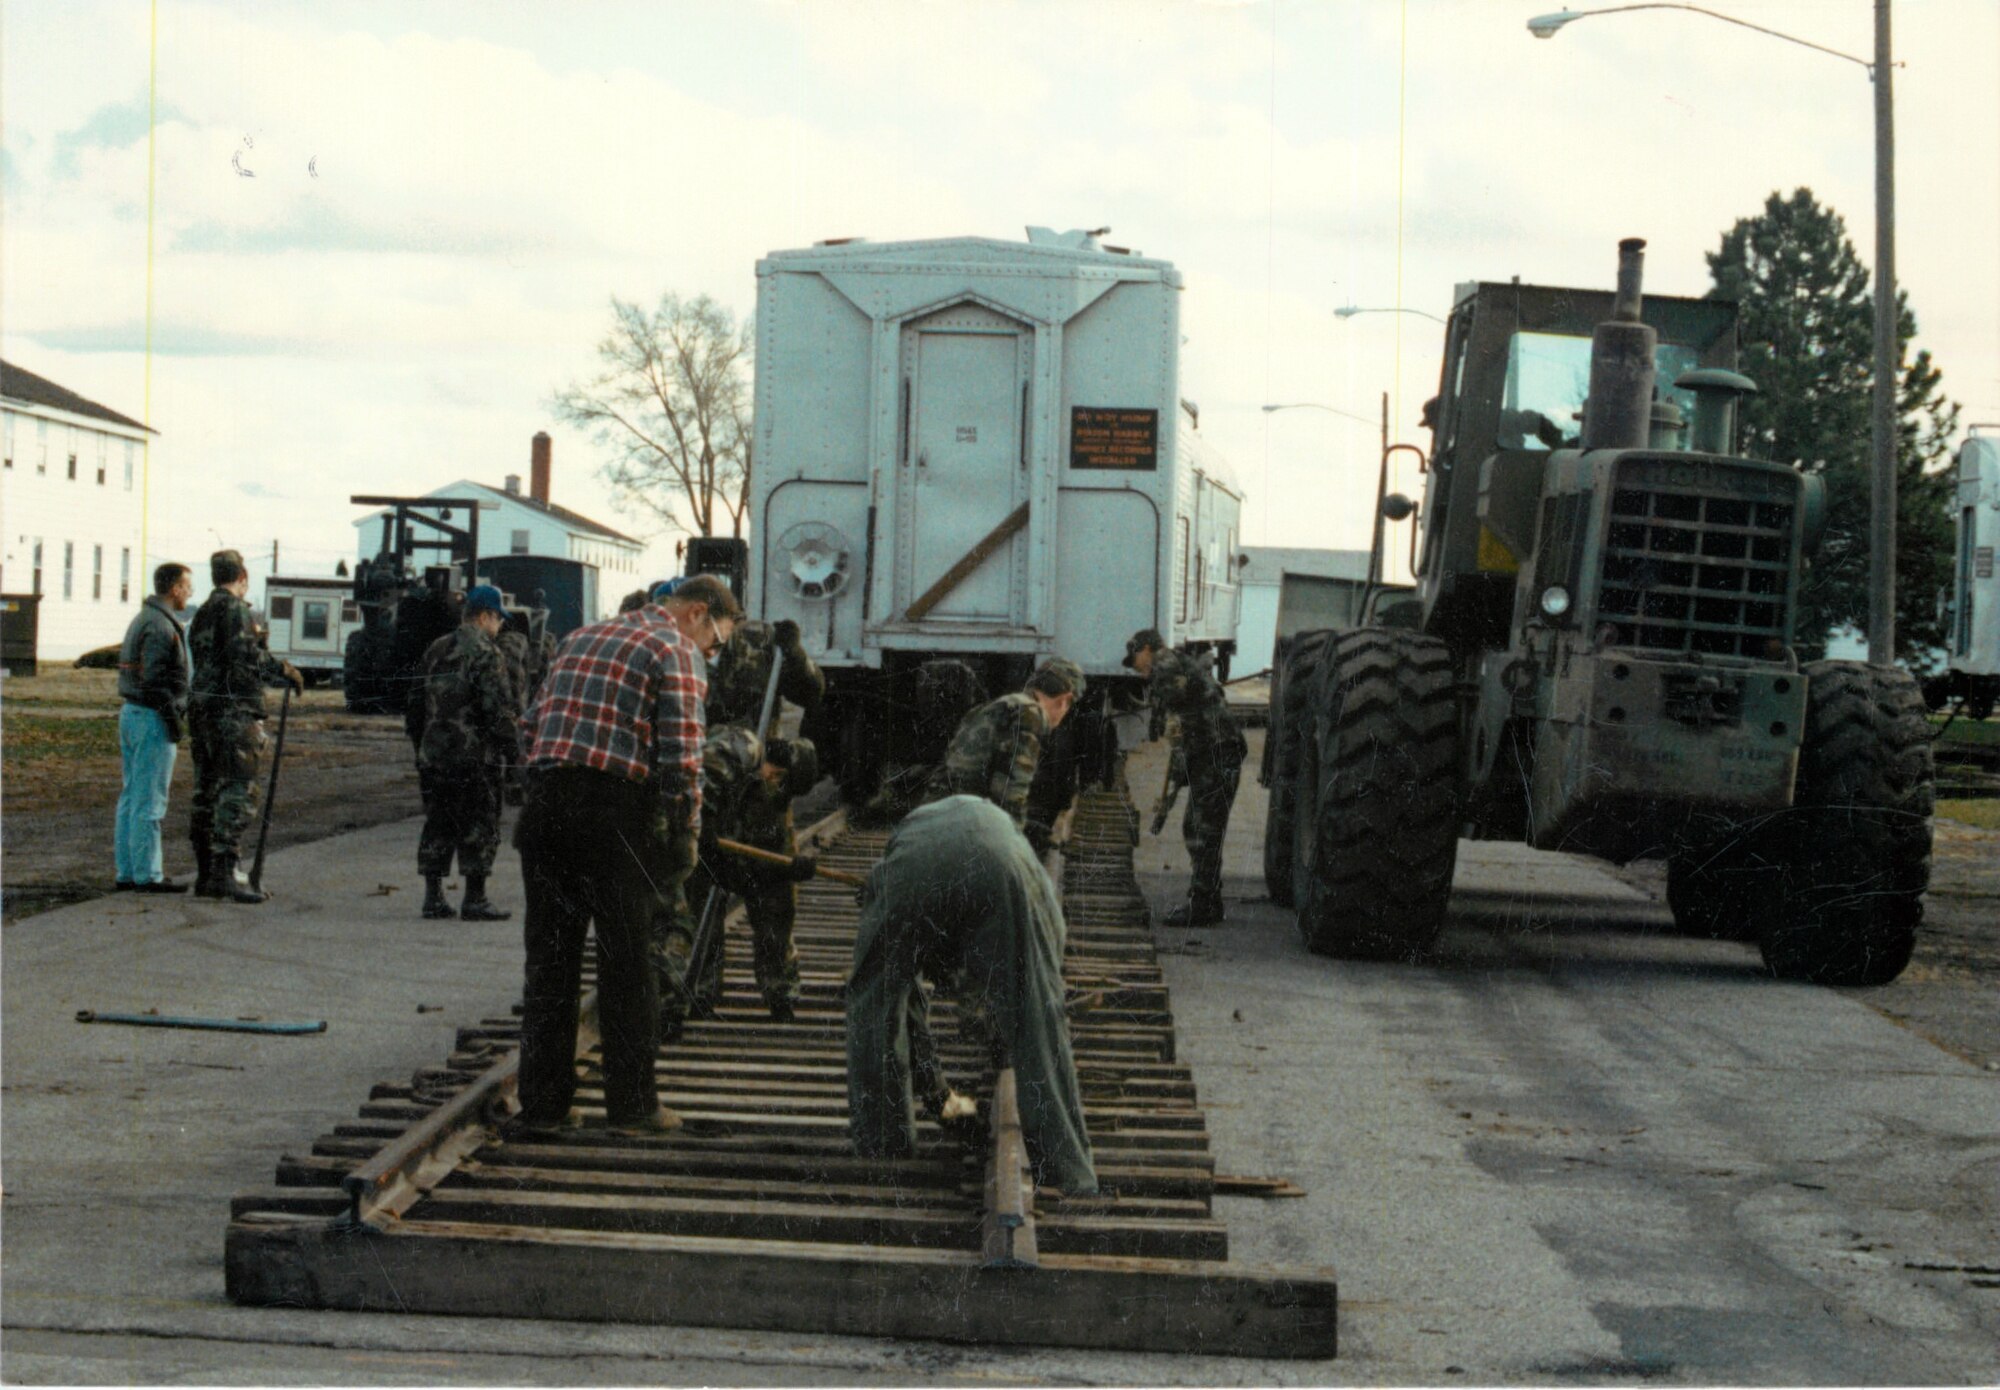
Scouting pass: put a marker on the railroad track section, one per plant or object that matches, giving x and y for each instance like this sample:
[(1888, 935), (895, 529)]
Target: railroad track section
[(756, 1215)]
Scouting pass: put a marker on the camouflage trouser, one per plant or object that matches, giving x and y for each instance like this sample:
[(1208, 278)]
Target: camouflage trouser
[(226, 751), (462, 815), (689, 986), (1211, 791)]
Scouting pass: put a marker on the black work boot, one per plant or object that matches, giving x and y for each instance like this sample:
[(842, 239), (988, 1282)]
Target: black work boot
[(435, 906), (477, 907), (1196, 912), (204, 878), (229, 887)]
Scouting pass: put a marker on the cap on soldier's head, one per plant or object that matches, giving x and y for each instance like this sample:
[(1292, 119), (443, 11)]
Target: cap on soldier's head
[(226, 567), (484, 598), (1144, 639), (664, 589), (1058, 676)]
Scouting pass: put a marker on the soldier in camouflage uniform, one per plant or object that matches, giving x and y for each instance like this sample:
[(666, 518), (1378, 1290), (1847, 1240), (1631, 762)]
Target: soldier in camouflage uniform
[(746, 793), (996, 750), (1211, 748), (740, 672), (470, 736), (226, 721)]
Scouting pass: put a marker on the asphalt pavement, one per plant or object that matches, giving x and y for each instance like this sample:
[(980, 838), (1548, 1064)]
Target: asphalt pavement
[(1577, 1148)]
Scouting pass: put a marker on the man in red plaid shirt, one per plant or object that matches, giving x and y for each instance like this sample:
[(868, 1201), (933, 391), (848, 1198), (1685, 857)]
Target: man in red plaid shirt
[(613, 758)]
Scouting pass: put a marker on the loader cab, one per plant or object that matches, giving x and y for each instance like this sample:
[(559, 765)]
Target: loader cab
[(1515, 372)]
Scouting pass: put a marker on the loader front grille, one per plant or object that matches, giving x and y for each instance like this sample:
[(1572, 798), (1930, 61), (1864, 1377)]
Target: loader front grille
[(1698, 557)]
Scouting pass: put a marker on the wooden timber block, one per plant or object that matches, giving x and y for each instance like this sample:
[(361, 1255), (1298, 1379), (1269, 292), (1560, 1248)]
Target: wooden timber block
[(1106, 1302)]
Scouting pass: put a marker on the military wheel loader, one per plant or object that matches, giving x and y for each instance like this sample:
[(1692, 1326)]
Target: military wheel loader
[(1597, 657)]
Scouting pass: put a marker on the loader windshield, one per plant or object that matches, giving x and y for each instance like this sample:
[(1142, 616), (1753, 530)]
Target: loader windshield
[(1548, 375)]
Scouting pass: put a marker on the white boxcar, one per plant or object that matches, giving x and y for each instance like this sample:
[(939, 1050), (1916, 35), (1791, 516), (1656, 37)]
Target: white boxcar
[(977, 449), (1972, 628), (915, 398)]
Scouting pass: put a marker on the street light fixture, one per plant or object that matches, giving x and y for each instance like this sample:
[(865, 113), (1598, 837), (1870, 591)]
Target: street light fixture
[(1348, 311), (1882, 492), (1315, 405)]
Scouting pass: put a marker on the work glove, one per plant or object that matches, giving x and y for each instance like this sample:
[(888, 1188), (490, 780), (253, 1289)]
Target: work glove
[(171, 722), (804, 866), (787, 633), (295, 678), (1177, 765)]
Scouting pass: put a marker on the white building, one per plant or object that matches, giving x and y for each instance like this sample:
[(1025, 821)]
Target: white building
[(516, 523), (72, 511), (1264, 568)]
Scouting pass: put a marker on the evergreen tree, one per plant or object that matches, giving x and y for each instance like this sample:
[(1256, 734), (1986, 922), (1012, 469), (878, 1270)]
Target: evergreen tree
[(1807, 340)]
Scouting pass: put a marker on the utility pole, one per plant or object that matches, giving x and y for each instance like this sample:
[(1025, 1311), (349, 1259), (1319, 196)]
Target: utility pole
[(274, 554), (1882, 522)]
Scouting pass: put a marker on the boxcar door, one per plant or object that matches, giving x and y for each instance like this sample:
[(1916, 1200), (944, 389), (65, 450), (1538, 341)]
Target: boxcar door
[(963, 471)]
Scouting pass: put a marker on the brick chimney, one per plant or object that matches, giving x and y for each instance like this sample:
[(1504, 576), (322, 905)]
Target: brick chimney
[(538, 468)]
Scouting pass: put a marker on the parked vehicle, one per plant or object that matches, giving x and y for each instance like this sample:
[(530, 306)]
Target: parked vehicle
[(1972, 604), (311, 618)]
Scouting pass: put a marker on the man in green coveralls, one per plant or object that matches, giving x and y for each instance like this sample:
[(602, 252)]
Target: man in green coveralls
[(1211, 747), (959, 898), (996, 750), (226, 721)]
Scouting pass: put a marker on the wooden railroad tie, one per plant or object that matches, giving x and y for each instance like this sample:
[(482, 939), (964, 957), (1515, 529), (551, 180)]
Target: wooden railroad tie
[(757, 1214)]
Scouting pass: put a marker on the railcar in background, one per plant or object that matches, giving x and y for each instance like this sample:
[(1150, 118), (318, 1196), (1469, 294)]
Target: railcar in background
[(976, 451)]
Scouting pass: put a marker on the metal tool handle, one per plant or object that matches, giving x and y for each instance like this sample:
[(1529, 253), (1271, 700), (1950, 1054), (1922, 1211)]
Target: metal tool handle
[(270, 793)]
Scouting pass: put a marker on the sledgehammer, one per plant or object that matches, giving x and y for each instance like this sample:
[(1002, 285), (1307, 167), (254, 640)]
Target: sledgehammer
[(772, 857)]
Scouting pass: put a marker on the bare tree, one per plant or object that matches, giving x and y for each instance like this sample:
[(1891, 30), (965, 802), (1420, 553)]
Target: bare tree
[(671, 400)]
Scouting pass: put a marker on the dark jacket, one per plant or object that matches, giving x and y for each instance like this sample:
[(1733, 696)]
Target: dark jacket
[(230, 665), (153, 664)]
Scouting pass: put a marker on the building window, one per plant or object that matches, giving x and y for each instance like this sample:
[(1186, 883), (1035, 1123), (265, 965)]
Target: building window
[(7, 436), (350, 612), (125, 574), (313, 629), (96, 572), (41, 446), (103, 444), (72, 453), (281, 608), (520, 545), (38, 567), (69, 569), (130, 450)]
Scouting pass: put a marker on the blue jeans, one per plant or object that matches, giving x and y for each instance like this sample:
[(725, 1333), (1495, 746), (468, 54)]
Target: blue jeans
[(149, 770)]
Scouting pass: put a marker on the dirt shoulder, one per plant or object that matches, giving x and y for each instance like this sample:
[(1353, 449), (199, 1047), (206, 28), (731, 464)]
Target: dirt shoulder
[(60, 778)]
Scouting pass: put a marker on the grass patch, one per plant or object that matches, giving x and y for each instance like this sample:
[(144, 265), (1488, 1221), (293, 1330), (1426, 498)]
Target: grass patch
[(47, 736), (1981, 731), (1984, 814)]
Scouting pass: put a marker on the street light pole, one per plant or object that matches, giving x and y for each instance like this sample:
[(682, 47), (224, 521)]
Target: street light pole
[(1882, 522), (1882, 411)]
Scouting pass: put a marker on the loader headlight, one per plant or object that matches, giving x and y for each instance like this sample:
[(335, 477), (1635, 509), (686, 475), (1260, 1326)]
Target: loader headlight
[(1555, 601)]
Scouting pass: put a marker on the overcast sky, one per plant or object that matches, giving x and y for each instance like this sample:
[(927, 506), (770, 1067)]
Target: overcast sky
[(446, 195)]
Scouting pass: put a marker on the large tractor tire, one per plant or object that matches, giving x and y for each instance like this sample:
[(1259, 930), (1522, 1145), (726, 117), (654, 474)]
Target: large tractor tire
[(1723, 889), (1857, 846), (1377, 810), (1289, 727)]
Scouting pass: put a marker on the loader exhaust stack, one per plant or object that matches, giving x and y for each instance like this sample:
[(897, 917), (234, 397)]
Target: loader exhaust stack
[(1619, 411)]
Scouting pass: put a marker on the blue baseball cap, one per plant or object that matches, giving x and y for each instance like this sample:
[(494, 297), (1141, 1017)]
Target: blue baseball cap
[(664, 589), (484, 598)]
